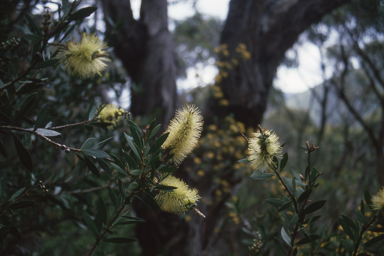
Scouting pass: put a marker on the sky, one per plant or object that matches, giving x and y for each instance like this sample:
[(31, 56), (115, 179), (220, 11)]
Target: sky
[(289, 80)]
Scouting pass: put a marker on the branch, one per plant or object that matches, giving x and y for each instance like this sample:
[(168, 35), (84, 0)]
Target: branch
[(71, 125), (62, 146)]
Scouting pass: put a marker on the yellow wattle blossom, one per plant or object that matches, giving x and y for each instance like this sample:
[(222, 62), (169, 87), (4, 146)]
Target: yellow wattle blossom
[(87, 57), (179, 200), (184, 133), (262, 148), (111, 114), (378, 200)]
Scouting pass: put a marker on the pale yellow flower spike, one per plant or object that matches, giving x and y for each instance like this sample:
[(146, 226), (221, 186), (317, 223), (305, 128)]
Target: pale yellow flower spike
[(179, 200), (262, 149), (111, 114), (86, 58), (184, 133), (378, 200)]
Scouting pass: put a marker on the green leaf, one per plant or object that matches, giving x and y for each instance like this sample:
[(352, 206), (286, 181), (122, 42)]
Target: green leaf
[(90, 223), (283, 161), (285, 237), (47, 132), (374, 240), (112, 195), (309, 239), (101, 215), (130, 161), (119, 169), (257, 175), (103, 143), (279, 244), (275, 202), (23, 204), (118, 161), (120, 240), (167, 168), (16, 194), (2, 150), (166, 188), (47, 63), (133, 185), (368, 199), (243, 161), (32, 37), (26, 106), (154, 131), (82, 13), (136, 172), (350, 222), (133, 218), (26, 140), (95, 153), (135, 127), (361, 217), (121, 188), (132, 146), (284, 206), (347, 245), (43, 116), (104, 165), (294, 219), (92, 167), (314, 206), (304, 196), (23, 153), (347, 229), (89, 143), (313, 219), (92, 110)]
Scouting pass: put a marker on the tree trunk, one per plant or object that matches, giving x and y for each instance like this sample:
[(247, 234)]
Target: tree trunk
[(146, 49), (267, 29)]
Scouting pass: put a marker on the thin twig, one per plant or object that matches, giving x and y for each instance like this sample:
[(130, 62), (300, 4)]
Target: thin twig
[(62, 146), (71, 125), (361, 234)]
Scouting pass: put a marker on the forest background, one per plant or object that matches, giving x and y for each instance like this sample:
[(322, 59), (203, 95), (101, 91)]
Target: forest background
[(343, 115)]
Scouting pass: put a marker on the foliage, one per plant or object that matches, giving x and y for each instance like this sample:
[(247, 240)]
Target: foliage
[(86, 186)]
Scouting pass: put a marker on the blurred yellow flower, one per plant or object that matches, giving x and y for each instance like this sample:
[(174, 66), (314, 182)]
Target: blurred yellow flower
[(86, 58), (179, 200), (184, 133), (378, 200), (111, 114)]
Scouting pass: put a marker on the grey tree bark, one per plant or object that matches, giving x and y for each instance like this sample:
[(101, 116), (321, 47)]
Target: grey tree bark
[(268, 28), (145, 48)]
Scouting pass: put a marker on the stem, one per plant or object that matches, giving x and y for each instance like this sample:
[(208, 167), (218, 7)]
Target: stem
[(98, 239), (62, 146), (71, 125), (289, 192), (18, 198), (361, 234)]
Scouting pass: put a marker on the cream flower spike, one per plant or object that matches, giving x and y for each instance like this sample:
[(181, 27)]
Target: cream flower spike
[(262, 148), (86, 58), (179, 200), (184, 133)]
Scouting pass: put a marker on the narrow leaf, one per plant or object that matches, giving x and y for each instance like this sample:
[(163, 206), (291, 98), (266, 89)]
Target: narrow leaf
[(120, 240), (90, 223), (23, 153)]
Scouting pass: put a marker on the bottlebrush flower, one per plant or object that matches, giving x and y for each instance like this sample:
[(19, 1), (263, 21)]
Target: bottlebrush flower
[(262, 148), (184, 133), (378, 200), (111, 114), (180, 199), (86, 58)]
